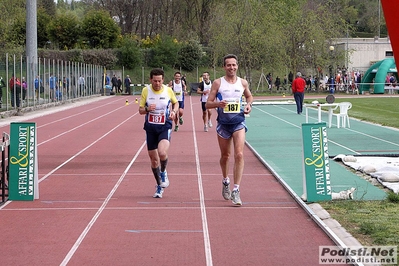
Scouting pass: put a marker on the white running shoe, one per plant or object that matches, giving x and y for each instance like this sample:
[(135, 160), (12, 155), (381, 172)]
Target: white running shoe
[(164, 179), (206, 128), (226, 193), (209, 123), (158, 192), (235, 197)]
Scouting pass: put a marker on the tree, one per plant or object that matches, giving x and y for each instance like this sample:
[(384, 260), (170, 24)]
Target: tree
[(100, 30), (43, 20), (64, 31), (49, 6), (130, 55), (248, 29), (190, 55), (162, 52), (12, 18)]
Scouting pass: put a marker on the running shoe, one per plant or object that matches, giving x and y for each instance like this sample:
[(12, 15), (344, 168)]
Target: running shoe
[(235, 197), (210, 123), (226, 193), (164, 179), (206, 128), (158, 192), (181, 120), (176, 128)]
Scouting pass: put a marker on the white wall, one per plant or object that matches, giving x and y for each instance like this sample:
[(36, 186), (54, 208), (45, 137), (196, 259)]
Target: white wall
[(363, 52)]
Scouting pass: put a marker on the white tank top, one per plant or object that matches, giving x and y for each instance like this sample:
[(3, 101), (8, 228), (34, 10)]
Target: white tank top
[(232, 93), (178, 89), (207, 87)]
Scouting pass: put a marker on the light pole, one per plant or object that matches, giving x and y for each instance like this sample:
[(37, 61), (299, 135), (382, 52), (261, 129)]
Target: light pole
[(331, 79), (331, 48)]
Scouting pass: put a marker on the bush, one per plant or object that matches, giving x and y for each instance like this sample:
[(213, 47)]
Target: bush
[(190, 56), (163, 53), (130, 55)]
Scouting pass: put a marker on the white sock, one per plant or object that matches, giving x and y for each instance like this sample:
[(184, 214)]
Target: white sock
[(236, 187), (226, 180)]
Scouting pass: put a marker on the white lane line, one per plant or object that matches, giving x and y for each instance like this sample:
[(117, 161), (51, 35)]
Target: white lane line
[(81, 125), (84, 149), (152, 208), (100, 210), (74, 156), (359, 132), (287, 122), (75, 114), (207, 242)]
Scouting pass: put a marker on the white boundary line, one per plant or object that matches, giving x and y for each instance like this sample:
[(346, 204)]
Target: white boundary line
[(100, 210), (76, 114), (88, 122), (207, 242), (58, 167), (329, 232), (297, 126), (84, 149)]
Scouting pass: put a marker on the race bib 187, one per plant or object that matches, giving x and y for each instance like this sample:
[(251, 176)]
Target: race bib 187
[(156, 118), (232, 107)]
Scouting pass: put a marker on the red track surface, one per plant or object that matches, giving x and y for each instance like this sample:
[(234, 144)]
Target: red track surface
[(96, 205)]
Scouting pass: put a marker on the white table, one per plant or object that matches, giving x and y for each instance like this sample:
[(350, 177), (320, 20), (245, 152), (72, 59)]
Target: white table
[(331, 107)]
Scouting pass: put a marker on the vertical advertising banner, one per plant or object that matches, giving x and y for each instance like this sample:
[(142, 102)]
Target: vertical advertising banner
[(317, 186), (23, 178), (391, 14)]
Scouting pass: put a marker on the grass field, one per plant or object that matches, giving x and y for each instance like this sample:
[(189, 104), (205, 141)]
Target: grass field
[(373, 223), (380, 110)]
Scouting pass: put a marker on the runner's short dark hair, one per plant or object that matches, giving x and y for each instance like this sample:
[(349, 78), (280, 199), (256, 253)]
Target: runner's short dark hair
[(157, 72)]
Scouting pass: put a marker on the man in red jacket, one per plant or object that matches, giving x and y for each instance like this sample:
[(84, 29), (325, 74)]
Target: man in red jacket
[(298, 88)]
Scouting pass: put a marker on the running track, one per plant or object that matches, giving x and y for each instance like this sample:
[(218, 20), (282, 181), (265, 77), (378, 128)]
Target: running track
[(96, 205)]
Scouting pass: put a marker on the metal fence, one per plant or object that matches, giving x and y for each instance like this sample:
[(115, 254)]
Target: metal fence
[(47, 81)]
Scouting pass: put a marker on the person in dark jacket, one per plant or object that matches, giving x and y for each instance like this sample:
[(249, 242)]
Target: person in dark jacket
[(127, 84)]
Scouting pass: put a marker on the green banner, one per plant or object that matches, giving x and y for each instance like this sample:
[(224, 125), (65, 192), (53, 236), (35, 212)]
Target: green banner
[(23, 182), (317, 186)]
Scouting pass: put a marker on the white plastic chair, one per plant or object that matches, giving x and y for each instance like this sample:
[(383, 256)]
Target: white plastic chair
[(343, 113)]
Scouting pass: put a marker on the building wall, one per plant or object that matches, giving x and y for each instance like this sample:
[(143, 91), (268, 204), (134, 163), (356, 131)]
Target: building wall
[(363, 52)]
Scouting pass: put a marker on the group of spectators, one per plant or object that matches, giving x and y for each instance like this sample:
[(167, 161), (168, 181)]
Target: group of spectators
[(115, 84)]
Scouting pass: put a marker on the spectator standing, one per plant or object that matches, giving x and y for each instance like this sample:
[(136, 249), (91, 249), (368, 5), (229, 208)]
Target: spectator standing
[(114, 82), (2, 85), (24, 89), (15, 87), (119, 85), (269, 80), (332, 84), (298, 89), (65, 85), (107, 79), (308, 83), (277, 83), (38, 85), (127, 84), (81, 84), (53, 86)]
